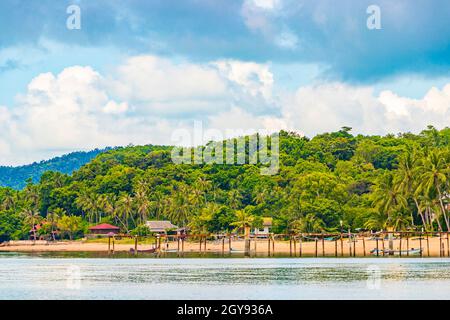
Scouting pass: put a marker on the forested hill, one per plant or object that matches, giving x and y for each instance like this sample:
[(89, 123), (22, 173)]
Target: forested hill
[(16, 177), (331, 181)]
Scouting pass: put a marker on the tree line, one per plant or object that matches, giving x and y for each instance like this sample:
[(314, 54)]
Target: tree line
[(331, 180)]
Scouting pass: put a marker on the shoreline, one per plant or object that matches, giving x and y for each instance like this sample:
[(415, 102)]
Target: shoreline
[(360, 248)]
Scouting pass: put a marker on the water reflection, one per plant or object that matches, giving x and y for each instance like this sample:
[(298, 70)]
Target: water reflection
[(43, 277)]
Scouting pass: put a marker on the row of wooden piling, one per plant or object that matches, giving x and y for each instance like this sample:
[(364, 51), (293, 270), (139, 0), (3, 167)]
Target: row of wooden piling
[(296, 243)]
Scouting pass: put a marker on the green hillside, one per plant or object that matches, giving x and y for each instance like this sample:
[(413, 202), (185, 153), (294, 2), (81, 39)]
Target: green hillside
[(372, 182), (16, 177)]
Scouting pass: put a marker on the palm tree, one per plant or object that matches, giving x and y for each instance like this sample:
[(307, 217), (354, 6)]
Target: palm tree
[(387, 196), (53, 217), (309, 223), (143, 205), (125, 209), (89, 204), (434, 178), (243, 219), (31, 218), (406, 178), (234, 199), (31, 193), (9, 202)]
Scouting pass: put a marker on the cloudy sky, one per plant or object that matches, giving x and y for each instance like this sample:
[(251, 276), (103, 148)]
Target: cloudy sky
[(138, 71)]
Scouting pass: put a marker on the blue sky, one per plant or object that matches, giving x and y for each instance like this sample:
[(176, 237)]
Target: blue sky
[(268, 61)]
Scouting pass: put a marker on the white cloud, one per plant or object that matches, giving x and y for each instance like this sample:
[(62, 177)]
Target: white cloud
[(147, 98), (143, 101), (324, 108)]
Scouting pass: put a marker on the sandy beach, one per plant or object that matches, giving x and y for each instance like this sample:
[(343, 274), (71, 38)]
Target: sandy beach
[(361, 247)]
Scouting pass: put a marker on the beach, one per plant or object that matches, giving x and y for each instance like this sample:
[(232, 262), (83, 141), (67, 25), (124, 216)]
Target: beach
[(361, 247)]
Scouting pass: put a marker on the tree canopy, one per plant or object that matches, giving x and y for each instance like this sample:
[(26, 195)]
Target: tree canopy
[(371, 182)]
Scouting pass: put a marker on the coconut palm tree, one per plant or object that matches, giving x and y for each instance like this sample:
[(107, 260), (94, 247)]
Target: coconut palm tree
[(143, 205), (31, 218), (125, 209), (53, 217), (435, 178), (234, 199), (243, 219), (406, 178), (309, 223), (387, 196)]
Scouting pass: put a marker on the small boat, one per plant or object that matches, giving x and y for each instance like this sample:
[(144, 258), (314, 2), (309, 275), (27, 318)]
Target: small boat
[(153, 250), (170, 250), (411, 252)]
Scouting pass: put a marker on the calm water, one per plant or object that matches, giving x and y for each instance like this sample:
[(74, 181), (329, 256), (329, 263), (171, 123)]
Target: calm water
[(37, 277)]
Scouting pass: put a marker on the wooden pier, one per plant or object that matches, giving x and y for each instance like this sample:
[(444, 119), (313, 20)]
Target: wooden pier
[(380, 244)]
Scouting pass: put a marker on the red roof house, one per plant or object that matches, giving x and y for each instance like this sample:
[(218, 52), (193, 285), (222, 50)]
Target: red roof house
[(104, 229)]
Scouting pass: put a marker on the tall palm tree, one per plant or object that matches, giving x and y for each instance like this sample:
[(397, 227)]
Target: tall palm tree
[(234, 199), (435, 177), (143, 205), (31, 218), (406, 178), (243, 219), (309, 223), (125, 209), (387, 196), (53, 217), (9, 202)]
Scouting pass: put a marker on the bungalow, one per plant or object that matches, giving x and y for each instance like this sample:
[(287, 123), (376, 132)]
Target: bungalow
[(266, 228), (104, 229), (160, 226)]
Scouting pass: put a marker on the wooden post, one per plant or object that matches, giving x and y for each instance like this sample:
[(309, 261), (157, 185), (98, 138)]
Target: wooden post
[(182, 246), (200, 242), (382, 239), (223, 245), (109, 244), (114, 244), (407, 245), (290, 246), (229, 243), (268, 245), (135, 246), (316, 246), (400, 252), (354, 247), (335, 247), (349, 243), (273, 245), (420, 244), (448, 246), (300, 244), (295, 246), (206, 239), (378, 251), (428, 245), (364, 245), (323, 246), (391, 243), (342, 246), (440, 245)]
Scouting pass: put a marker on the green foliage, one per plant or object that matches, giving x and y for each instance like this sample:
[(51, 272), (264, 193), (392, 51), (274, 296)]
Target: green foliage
[(368, 182), (11, 227)]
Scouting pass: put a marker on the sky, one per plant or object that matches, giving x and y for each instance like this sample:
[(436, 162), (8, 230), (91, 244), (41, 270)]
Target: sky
[(138, 72)]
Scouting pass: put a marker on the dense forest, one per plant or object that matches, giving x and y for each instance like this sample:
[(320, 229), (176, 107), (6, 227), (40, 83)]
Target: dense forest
[(364, 182), (17, 177)]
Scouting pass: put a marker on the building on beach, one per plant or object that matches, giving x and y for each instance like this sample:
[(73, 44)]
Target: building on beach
[(104, 229), (161, 226), (265, 230)]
